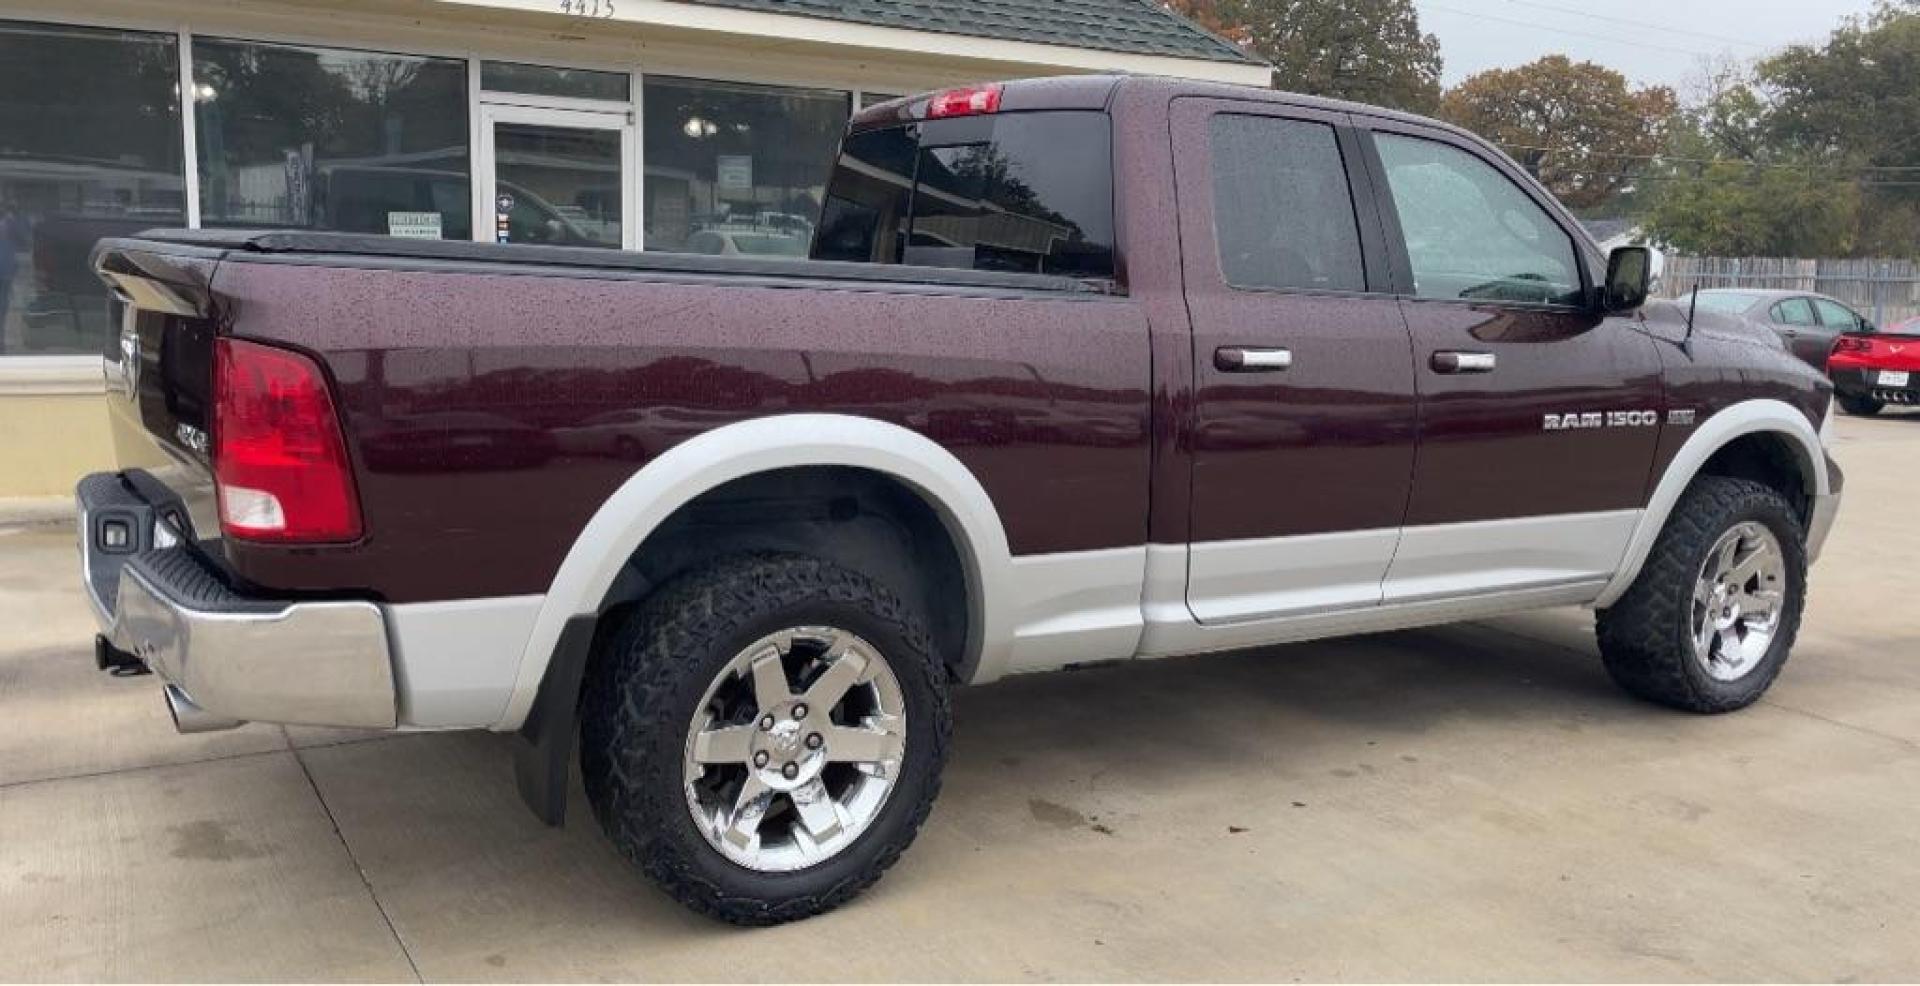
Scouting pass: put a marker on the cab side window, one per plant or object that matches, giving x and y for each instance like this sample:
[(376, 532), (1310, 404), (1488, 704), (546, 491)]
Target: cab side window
[(1836, 316), (1470, 232), (1794, 311), (1283, 211)]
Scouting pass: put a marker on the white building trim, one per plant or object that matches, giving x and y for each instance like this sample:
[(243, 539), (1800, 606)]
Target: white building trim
[(671, 14)]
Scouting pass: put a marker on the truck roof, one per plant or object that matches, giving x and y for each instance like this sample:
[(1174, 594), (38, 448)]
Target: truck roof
[(1096, 92)]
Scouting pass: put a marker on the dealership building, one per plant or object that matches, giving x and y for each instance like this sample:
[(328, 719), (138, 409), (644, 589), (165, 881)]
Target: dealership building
[(700, 126)]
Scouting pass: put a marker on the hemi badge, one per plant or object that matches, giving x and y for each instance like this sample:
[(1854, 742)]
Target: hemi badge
[(1682, 417)]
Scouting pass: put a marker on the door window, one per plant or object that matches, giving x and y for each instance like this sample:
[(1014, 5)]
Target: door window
[(1471, 233), (1794, 311), (1283, 211), (1835, 315), (558, 186)]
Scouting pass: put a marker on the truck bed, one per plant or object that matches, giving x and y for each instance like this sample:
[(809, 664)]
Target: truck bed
[(353, 249), (492, 397)]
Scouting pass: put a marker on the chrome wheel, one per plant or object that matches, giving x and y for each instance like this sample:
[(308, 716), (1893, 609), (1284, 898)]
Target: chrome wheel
[(794, 749), (1738, 600)]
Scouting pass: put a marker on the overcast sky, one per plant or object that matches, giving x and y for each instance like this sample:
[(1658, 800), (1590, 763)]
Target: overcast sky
[(1650, 41)]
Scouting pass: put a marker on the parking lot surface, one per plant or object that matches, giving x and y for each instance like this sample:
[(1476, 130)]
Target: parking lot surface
[(1470, 802)]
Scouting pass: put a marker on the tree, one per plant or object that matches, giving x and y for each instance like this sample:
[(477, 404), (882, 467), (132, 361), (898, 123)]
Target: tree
[(1370, 51), (1735, 209), (1573, 125), (1855, 104), (1803, 154)]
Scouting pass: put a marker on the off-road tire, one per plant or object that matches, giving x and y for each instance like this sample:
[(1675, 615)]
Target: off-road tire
[(646, 678), (1645, 639), (1861, 407)]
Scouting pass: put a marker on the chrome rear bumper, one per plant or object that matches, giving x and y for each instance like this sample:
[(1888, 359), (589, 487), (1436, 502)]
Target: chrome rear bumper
[(226, 657)]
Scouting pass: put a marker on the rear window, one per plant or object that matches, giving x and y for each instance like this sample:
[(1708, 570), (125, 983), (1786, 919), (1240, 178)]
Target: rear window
[(1021, 192), (1728, 302)]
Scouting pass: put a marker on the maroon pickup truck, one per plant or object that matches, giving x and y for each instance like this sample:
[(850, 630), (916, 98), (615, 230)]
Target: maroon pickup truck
[(1080, 370)]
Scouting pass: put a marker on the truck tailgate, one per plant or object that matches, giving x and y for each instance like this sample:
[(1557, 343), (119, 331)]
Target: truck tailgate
[(159, 372)]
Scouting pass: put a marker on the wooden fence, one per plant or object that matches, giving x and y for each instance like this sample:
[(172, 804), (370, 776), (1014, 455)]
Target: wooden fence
[(1884, 290)]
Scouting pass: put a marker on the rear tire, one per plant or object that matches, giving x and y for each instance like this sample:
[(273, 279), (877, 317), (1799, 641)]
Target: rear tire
[(732, 826), (1654, 640), (1861, 407)]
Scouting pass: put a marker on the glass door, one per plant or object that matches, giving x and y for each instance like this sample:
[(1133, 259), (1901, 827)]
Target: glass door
[(557, 177)]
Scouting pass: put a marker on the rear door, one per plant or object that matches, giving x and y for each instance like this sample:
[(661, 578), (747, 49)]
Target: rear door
[(1303, 417), (1796, 322), (1835, 319), (1538, 416)]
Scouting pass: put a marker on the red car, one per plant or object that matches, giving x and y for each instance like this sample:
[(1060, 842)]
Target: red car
[(1873, 369)]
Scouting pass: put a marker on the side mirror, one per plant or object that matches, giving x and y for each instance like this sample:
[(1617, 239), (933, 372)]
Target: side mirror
[(1629, 271)]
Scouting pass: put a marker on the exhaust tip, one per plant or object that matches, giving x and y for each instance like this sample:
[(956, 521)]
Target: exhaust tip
[(190, 718)]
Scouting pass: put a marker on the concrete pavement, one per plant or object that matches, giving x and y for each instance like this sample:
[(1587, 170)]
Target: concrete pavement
[(1472, 802)]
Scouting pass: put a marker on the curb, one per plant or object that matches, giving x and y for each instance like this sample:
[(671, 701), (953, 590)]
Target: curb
[(22, 511)]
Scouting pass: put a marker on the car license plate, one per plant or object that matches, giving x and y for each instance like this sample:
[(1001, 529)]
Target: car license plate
[(1893, 378)]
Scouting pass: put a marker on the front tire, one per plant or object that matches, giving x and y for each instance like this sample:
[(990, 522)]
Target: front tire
[(1861, 407), (1710, 621), (764, 736)]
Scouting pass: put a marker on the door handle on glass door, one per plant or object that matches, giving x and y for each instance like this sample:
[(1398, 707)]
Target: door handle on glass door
[(1456, 361), (1238, 359)]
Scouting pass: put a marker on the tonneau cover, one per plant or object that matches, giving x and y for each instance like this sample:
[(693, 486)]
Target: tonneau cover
[(280, 242)]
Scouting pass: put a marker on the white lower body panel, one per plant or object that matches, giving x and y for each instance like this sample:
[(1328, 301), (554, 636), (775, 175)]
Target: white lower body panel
[(1447, 560), (454, 663), (1166, 600)]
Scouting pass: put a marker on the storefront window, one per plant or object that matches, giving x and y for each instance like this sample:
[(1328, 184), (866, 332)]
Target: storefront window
[(323, 138), (737, 169), (539, 80), (89, 147)]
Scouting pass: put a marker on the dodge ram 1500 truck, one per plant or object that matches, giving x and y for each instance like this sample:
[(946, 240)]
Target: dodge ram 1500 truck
[(1080, 370)]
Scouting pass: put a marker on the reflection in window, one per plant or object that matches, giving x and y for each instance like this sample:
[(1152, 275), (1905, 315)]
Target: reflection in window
[(1283, 212), (539, 80), (322, 138), (737, 169), (1470, 232), (89, 147), (561, 185)]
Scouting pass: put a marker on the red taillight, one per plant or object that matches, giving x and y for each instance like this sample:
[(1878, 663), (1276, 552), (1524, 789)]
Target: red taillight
[(970, 101), (1852, 344), (279, 461)]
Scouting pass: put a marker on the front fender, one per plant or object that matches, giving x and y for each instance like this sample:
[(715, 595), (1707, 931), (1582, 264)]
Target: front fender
[(1712, 435)]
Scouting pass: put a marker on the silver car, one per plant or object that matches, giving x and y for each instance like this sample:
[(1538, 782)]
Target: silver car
[(1808, 323)]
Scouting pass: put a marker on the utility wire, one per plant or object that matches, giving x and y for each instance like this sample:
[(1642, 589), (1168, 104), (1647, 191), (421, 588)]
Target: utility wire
[(1642, 25), (1667, 159), (1536, 25)]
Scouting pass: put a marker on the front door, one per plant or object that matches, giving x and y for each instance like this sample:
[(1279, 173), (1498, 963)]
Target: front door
[(1538, 416), (1302, 439), (556, 177)]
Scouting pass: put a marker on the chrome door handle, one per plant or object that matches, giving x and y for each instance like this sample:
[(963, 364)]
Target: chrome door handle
[(1456, 361), (1238, 359)]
